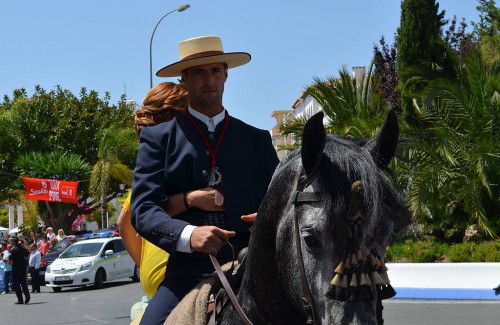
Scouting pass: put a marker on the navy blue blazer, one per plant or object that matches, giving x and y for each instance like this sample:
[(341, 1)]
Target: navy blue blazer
[(173, 158)]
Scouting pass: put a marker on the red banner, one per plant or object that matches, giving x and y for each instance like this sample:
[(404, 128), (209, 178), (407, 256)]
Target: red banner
[(51, 190)]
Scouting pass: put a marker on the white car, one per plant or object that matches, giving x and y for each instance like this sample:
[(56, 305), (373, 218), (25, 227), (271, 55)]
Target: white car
[(91, 261)]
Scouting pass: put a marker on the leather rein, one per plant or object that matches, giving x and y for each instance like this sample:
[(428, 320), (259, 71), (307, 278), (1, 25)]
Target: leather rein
[(228, 290)]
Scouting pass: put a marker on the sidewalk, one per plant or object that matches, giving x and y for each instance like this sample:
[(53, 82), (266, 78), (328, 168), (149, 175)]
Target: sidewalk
[(452, 281)]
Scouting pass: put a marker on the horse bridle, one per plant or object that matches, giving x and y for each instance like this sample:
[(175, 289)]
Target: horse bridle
[(307, 301)]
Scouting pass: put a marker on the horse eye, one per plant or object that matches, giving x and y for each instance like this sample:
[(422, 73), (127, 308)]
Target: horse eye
[(310, 238)]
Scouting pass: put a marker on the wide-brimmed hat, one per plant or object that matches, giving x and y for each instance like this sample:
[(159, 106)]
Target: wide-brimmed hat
[(202, 50)]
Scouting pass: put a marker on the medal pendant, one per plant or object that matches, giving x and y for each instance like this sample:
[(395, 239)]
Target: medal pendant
[(215, 177), (219, 198)]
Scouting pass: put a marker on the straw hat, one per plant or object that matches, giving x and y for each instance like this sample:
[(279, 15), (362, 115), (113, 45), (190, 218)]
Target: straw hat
[(202, 50)]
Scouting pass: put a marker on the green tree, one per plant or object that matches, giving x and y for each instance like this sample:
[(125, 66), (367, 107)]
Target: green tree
[(487, 31), (420, 47), (56, 120), (57, 165), (4, 217), (109, 169), (455, 166), (10, 143)]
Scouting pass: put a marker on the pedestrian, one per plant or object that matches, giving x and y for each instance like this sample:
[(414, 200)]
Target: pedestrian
[(2, 274), (44, 246), (8, 267), (52, 243), (35, 238), (203, 147), (60, 235), (33, 268), (50, 234), (19, 258)]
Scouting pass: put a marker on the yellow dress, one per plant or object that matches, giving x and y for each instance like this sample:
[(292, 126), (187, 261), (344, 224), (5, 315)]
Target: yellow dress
[(153, 262)]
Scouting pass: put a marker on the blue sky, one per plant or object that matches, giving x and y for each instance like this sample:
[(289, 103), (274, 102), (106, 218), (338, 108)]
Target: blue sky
[(103, 45)]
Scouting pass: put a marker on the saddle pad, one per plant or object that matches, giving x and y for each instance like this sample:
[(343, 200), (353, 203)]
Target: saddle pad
[(192, 310)]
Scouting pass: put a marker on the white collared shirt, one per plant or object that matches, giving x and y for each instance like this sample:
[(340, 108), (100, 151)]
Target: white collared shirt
[(211, 122), (184, 242), (35, 259)]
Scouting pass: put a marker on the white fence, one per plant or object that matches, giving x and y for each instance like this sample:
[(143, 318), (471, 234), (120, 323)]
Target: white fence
[(444, 275)]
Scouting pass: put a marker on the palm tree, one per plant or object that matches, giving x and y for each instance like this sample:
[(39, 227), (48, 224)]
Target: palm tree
[(455, 166), (351, 107), (109, 167)]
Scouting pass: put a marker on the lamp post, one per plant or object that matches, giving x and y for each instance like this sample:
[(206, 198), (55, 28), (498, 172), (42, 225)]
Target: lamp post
[(180, 9)]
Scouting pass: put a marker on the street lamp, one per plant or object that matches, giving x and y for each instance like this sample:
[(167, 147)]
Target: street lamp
[(180, 9)]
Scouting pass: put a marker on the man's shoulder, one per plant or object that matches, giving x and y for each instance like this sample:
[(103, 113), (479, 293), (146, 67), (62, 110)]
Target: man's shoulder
[(162, 129), (245, 126)]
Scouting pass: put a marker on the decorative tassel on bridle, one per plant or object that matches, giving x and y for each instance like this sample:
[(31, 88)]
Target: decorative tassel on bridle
[(361, 269)]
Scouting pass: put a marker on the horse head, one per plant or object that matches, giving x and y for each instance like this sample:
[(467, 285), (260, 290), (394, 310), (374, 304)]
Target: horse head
[(316, 254)]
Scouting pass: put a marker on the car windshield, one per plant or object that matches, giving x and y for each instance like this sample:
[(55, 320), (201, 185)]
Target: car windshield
[(82, 250), (60, 246)]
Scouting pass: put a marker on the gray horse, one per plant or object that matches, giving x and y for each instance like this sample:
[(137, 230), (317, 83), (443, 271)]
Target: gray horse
[(316, 253)]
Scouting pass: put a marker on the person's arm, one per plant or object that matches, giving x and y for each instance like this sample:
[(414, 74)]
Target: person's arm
[(131, 240), (203, 199), (149, 194), (149, 201), (38, 260)]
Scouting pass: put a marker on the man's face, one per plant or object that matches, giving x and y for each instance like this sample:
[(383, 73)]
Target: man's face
[(205, 84)]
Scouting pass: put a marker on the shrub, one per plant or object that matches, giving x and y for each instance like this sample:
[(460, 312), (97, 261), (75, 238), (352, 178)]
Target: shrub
[(487, 252), (430, 251), (395, 252), (415, 252), (461, 252)]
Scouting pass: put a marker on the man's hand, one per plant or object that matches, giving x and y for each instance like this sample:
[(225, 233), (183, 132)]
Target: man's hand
[(209, 239), (204, 199), (249, 217)]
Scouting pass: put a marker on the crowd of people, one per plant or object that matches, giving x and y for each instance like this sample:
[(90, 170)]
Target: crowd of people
[(22, 255)]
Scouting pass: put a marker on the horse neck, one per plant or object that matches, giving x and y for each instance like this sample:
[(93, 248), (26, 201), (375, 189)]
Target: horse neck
[(260, 294)]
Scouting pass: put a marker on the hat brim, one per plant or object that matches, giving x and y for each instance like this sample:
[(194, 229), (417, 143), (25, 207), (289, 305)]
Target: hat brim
[(232, 60)]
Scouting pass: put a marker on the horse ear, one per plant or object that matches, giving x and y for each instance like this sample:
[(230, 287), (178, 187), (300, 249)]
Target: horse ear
[(313, 142), (383, 147)]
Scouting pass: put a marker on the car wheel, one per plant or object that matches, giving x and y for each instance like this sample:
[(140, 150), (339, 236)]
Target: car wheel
[(100, 277), (56, 289), (136, 277)]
